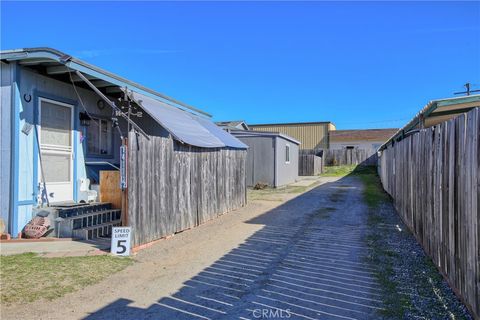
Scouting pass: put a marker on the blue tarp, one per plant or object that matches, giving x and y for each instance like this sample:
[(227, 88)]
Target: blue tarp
[(187, 127)]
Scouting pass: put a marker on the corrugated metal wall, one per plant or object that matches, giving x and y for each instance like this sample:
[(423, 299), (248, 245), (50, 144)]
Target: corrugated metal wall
[(311, 135)]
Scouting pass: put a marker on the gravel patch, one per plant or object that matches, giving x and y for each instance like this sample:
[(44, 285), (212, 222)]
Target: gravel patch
[(414, 288)]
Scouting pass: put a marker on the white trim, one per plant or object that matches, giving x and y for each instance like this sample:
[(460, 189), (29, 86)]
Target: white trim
[(57, 149)]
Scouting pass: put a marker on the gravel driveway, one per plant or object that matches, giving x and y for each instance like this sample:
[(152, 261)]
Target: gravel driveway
[(306, 261), (306, 258)]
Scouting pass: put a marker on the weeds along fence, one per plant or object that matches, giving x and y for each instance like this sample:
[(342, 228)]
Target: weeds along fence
[(309, 163), (433, 178), (173, 187), (342, 157)]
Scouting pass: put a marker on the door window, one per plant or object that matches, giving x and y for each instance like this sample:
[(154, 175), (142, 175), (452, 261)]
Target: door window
[(56, 167), (56, 125)]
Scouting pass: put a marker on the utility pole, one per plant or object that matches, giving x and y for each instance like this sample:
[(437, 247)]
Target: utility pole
[(468, 91)]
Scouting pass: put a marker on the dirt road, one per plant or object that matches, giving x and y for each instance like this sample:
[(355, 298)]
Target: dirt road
[(301, 259)]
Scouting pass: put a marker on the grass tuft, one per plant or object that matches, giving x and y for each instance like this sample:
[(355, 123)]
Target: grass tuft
[(27, 277), (395, 303), (337, 171), (274, 194), (373, 192)]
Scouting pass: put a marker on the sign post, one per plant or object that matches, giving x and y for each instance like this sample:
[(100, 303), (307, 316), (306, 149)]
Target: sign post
[(121, 241), (123, 167)]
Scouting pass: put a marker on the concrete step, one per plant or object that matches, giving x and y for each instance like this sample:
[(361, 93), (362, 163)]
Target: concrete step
[(99, 231), (95, 218), (90, 225), (82, 209)]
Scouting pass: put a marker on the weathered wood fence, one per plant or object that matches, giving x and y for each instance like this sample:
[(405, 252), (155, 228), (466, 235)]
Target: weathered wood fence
[(309, 163), (342, 157), (173, 187), (433, 177)]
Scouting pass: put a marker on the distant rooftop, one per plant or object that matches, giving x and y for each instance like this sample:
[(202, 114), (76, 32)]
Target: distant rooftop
[(291, 123), (251, 133), (234, 124), (362, 135)]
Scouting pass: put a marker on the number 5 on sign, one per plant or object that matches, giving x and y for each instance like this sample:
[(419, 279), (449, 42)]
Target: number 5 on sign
[(121, 241)]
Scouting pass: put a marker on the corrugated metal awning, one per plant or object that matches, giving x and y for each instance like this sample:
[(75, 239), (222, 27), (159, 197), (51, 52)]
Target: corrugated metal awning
[(186, 127), (435, 112), (228, 139), (184, 122)]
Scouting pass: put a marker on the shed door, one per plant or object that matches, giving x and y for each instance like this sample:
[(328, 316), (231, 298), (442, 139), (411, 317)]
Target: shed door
[(56, 148)]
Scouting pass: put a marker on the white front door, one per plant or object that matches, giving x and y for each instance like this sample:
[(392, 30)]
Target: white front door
[(56, 149)]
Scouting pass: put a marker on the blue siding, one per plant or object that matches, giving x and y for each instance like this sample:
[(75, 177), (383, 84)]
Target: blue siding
[(24, 215), (6, 141), (26, 169), (15, 158), (25, 156)]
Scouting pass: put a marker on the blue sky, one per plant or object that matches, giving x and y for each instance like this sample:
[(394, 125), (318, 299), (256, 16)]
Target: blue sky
[(357, 64)]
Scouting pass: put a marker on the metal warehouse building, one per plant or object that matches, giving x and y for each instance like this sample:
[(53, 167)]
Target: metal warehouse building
[(312, 135)]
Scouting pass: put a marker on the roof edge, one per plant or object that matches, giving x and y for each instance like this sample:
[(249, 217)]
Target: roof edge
[(72, 62), (426, 110), (339, 130), (290, 123), (251, 133)]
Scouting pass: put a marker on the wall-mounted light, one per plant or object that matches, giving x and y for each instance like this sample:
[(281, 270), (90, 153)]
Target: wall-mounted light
[(101, 104), (84, 119)]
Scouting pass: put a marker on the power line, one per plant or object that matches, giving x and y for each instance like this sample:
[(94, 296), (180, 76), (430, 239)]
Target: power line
[(468, 90)]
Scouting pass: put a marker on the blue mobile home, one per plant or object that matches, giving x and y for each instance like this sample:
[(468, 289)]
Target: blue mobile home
[(63, 120)]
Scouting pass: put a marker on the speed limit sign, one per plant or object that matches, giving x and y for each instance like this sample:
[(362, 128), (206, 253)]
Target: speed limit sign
[(121, 241)]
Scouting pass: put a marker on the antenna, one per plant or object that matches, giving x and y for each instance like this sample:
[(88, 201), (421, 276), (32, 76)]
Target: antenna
[(468, 91)]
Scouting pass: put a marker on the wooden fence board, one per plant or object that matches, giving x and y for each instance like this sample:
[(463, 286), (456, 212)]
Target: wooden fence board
[(110, 188), (174, 187), (309, 164), (342, 157), (433, 178)]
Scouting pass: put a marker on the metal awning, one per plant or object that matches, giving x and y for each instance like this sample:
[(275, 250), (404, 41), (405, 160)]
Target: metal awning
[(186, 123), (184, 126), (435, 112), (228, 139)]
